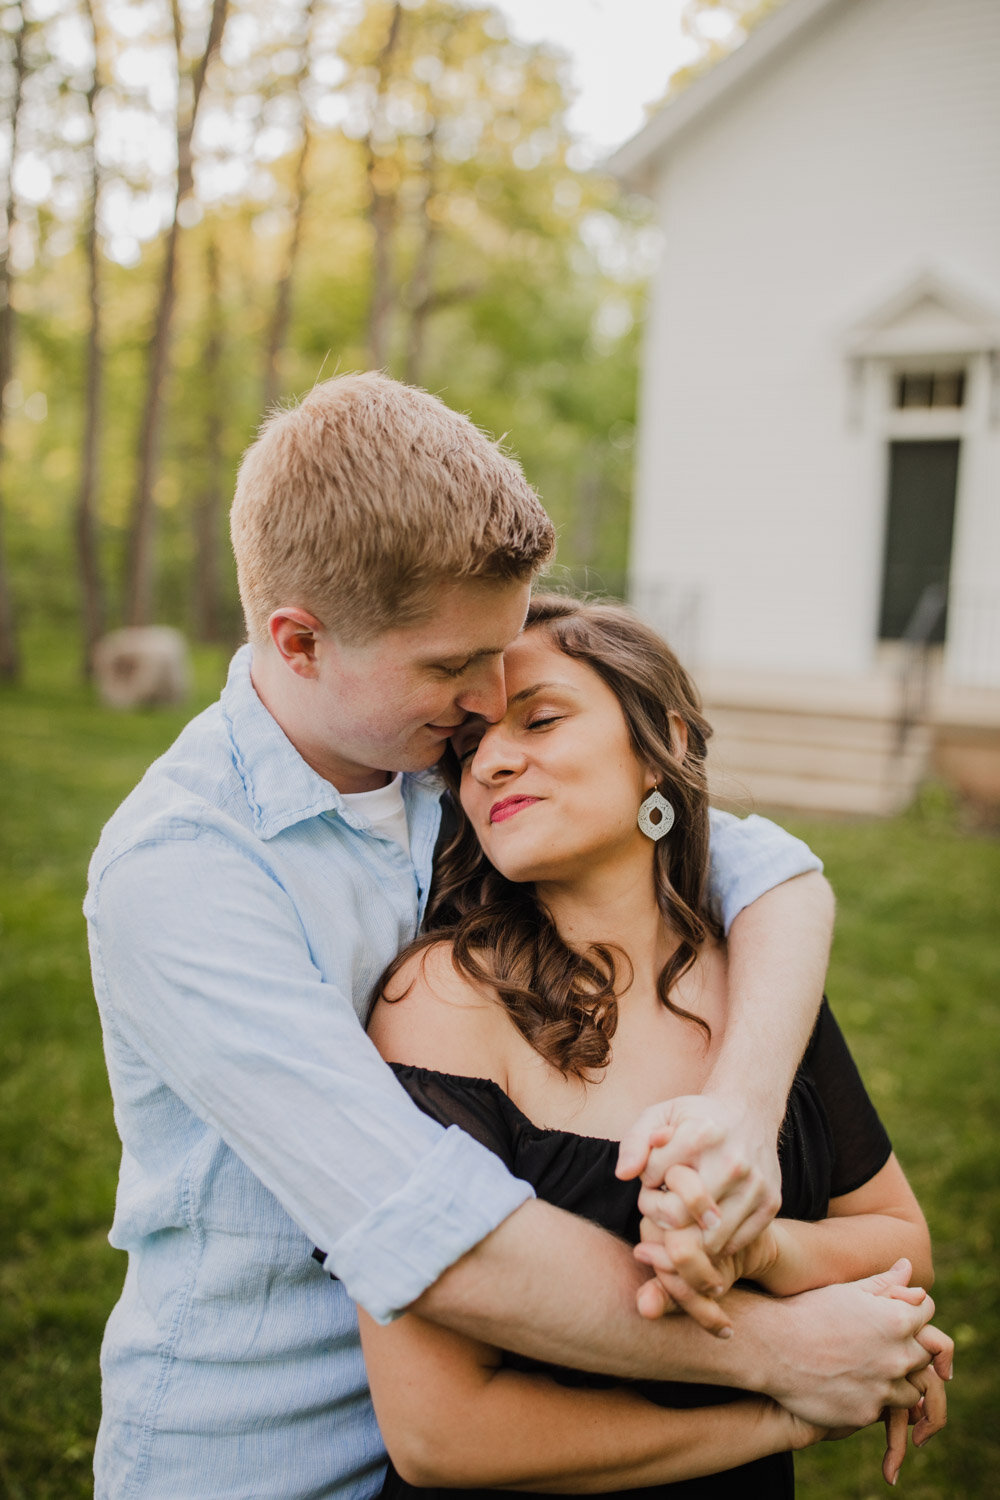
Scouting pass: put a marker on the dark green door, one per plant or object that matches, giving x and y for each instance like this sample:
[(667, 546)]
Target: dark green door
[(923, 479)]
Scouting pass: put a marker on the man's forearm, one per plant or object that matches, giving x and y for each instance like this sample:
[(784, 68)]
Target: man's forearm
[(560, 1289), (779, 948)]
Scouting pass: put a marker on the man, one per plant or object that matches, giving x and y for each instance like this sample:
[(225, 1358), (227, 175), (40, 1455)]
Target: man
[(242, 904)]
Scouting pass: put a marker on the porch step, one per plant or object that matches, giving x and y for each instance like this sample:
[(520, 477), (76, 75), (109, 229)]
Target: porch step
[(839, 762)]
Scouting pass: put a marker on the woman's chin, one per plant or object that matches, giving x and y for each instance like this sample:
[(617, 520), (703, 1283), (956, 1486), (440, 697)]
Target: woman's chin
[(534, 871)]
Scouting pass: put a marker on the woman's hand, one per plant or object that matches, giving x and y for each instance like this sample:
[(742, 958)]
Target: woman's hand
[(687, 1278), (928, 1416)]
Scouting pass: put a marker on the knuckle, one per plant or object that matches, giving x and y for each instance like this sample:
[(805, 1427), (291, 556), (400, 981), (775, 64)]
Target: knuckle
[(678, 1178), (699, 1135), (682, 1251), (736, 1170)]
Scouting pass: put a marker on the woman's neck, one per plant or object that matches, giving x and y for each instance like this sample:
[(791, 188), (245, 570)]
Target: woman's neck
[(615, 907)]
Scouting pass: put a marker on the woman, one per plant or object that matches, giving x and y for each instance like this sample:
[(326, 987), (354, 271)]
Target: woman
[(573, 975)]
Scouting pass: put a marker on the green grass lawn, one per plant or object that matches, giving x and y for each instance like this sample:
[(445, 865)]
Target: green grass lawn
[(914, 983)]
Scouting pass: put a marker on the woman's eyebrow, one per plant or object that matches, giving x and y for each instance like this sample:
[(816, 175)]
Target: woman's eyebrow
[(539, 687)]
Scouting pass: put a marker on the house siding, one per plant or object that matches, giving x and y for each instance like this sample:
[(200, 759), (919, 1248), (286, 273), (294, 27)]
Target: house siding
[(865, 152)]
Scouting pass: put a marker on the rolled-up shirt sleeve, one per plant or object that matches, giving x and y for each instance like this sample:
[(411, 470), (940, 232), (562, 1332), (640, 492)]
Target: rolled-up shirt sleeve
[(748, 857), (204, 972)]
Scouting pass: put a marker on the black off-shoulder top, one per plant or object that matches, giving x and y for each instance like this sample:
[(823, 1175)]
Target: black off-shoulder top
[(832, 1142)]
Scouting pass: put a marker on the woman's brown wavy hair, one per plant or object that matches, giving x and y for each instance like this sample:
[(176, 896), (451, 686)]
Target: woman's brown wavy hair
[(563, 1001)]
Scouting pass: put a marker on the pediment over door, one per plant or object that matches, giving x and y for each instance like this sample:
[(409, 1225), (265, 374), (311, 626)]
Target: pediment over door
[(931, 317)]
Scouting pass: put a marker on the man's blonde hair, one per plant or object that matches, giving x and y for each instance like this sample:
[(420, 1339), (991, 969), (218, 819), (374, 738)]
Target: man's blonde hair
[(359, 501)]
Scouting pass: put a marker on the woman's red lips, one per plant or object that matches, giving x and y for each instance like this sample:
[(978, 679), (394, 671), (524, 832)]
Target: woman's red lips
[(508, 806)]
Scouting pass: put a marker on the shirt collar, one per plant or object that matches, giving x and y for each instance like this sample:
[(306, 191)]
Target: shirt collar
[(281, 788)]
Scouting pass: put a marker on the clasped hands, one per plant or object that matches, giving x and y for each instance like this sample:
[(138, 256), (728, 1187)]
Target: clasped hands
[(708, 1205)]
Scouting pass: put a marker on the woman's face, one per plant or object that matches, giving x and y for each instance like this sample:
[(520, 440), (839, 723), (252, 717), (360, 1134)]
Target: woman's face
[(553, 790)]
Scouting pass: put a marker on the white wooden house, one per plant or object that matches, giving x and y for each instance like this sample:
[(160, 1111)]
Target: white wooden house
[(819, 438)]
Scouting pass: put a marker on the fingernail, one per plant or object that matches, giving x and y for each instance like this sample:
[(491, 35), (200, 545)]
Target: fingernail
[(724, 1333), (716, 1291), (711, 1220)]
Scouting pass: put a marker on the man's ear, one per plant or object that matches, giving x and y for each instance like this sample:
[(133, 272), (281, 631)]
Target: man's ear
[(295, 633)]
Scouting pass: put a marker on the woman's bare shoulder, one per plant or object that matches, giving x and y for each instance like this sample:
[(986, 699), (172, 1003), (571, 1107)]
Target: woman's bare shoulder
[(434, 1016)]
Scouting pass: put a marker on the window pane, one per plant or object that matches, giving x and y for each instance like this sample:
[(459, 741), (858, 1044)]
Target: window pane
[(927, 388), (916, 390), (949, 389)]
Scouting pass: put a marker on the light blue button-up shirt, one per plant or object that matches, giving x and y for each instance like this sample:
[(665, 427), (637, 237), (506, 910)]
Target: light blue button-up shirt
[(239, 915)]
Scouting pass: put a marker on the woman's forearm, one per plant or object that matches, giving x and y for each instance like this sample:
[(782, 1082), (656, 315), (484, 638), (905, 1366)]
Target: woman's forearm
[(519, 1431), (587, 1442), (865, 1230), (832, 1250)]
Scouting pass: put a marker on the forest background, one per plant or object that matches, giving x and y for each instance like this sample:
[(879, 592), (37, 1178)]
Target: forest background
[(210, 204), (206, 206)]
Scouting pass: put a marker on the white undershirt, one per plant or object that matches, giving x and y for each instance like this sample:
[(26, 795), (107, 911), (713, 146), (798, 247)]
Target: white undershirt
[(384, 810)]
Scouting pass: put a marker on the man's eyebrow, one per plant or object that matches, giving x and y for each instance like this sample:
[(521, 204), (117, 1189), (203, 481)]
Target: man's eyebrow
[(467, 656)]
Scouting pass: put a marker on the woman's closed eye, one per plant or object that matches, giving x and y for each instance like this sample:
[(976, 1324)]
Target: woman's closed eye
[(466, 746)]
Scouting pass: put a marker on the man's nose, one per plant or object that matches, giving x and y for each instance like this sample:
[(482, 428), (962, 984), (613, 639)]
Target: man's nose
[(485, 693)]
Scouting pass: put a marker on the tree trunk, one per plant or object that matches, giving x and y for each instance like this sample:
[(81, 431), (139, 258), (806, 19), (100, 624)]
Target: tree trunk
[(282, 310), (208, 507), (139, 579), (422, 283), (10, 655), (93, 608), (382, 209)]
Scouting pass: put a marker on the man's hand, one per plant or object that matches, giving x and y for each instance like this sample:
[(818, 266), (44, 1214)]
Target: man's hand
[(847, 1352), (926, 1418), (736, 1191)]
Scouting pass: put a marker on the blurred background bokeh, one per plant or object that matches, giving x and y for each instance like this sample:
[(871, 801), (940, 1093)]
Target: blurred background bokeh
[(725, 276)]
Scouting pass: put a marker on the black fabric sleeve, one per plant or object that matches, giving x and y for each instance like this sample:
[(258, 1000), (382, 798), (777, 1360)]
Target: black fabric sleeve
[(861, 1145), (477, 1105)]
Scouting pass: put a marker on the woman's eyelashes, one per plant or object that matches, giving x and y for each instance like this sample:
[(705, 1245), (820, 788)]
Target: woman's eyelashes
[(466, 751)]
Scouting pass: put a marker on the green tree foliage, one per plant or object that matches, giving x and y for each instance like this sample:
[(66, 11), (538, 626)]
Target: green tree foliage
[(717, 27), (511, 275)]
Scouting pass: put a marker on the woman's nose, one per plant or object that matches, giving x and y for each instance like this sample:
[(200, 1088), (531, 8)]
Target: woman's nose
[(497, 757)]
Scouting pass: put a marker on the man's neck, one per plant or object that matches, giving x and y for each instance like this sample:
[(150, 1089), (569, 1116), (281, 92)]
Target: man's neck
[(340, 772)]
